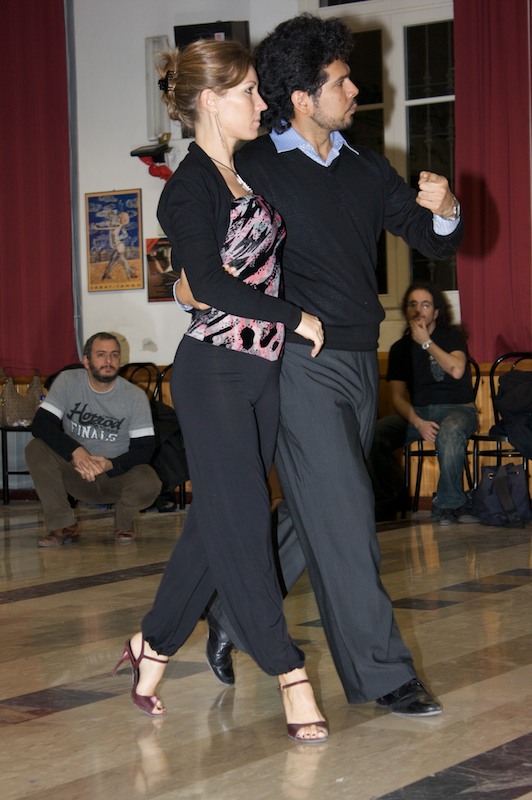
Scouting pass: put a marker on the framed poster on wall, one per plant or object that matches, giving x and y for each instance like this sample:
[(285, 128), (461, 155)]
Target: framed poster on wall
[(160, 275), (114, 240)]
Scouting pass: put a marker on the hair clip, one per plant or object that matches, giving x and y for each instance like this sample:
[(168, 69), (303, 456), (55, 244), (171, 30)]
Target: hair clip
[(163, 82)]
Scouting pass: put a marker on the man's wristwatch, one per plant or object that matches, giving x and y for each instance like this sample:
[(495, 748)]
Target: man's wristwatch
[(456, 211), (426, 344)]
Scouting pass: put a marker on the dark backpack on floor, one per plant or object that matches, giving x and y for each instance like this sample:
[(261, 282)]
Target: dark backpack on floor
[(502, 497)]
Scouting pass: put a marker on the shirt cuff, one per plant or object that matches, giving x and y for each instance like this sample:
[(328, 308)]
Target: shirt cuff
[(443, 226)]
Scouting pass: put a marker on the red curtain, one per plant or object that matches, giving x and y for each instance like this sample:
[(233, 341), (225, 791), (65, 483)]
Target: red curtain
[(493, 135), (36, 303)]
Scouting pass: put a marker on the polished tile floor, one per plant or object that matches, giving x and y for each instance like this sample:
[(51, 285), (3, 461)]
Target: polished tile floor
[(68, 730)]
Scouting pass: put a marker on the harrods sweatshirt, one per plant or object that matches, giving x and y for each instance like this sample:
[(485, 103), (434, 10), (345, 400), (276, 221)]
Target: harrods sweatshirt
[(334, 216)]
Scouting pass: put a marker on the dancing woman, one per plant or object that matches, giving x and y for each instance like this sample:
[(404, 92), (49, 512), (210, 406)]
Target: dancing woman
[(225, 386)]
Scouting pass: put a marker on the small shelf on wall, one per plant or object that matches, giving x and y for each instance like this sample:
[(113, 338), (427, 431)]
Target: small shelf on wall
[(153, 155)]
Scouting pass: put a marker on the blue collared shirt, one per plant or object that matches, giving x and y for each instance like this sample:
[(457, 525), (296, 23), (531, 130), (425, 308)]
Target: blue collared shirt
[(292, 140)]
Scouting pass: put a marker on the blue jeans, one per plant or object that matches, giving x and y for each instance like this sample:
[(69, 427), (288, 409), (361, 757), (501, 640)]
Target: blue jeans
[(457, 423)]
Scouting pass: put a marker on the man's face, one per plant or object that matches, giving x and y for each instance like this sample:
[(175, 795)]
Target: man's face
[(335, 105), (104, 361), (420, 308)]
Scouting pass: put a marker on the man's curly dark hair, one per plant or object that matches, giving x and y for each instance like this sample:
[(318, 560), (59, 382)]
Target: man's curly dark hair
[(293, 58)]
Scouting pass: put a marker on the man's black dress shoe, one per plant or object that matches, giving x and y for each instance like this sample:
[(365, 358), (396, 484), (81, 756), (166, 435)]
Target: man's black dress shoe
[(412, 700), (218, 651)]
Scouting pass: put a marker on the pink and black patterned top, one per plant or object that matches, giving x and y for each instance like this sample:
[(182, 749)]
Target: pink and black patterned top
[(255, 234)]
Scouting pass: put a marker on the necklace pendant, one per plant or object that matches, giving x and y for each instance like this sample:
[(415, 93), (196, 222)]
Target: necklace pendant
[(240, 180), (243, 183)]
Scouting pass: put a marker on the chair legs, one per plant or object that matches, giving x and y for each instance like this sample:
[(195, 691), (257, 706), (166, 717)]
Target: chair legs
[(421, 454), (182, 495), (417, 491)]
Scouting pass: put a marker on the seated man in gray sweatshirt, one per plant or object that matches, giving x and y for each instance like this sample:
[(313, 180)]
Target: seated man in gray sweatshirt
[(93, 440)]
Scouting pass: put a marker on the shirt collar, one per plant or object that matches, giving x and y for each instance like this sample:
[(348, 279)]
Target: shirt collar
[(292, 140)]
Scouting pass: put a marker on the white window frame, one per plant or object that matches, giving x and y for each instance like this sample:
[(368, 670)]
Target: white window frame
[(392, 17)]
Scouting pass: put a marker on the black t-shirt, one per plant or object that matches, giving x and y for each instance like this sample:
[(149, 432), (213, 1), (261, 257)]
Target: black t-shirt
[(427, 383)]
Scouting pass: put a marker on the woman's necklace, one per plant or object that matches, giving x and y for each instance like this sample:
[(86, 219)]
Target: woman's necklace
[(240, 180)]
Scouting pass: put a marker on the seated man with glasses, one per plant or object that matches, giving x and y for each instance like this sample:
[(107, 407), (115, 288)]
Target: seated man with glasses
[(432, 393)]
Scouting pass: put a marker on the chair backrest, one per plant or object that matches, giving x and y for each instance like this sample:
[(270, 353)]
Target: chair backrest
[(475, 375), (144, 374), (514, 359), (158, 393)]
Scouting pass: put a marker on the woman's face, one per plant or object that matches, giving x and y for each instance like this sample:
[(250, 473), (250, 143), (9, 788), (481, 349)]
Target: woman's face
[(240, 107)]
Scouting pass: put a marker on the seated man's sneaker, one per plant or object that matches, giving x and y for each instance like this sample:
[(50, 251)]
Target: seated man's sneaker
[(411, 699), (466, 514), (60, 536), (125, 537), (448, 516)]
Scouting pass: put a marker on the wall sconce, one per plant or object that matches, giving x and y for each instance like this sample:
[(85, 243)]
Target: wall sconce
[(158, 120)]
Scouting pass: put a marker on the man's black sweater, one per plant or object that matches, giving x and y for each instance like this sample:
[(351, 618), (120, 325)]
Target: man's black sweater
[(334, 216)]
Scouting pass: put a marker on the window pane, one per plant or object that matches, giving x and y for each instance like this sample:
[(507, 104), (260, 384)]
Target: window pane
[(367, 129), (430, 73), (442, 273), (368, 125), (382, 266), (431, 146), (431, 139), (366, 66), (430, 60)]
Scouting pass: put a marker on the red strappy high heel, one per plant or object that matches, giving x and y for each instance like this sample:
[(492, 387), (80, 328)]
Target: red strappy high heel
[(144, 703), (293, 728)]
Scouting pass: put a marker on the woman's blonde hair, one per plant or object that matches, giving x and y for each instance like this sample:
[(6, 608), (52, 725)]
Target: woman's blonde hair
[(204, 64)]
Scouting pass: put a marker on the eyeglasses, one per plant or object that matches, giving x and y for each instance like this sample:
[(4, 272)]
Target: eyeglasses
[(425, 304)]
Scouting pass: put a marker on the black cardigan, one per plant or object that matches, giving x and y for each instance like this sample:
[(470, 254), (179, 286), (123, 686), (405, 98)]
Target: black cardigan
[(194, 213)]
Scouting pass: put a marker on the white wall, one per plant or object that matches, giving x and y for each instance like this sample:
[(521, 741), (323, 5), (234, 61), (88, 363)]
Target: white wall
[(110, 71)]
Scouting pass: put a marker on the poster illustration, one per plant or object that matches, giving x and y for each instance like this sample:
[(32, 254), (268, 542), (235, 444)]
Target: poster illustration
[(114, 240)]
